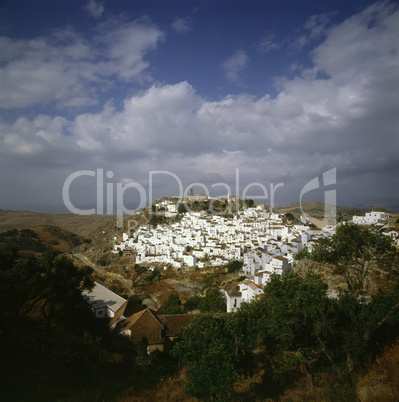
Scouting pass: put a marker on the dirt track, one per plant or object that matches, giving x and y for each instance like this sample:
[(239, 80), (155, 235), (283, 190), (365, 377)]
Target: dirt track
[(102, 271)]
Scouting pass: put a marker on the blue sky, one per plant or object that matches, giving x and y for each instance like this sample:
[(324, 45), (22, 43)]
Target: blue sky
[(278, 91)]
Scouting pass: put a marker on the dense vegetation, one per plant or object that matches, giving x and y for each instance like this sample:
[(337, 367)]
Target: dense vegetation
[(296, 330), (52, 347), (299, 329), (212, 302)]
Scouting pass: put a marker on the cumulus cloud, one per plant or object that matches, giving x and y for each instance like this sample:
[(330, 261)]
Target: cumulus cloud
[(68, 69), (348, 120), (235, 65), (362, 47), (181, 25)]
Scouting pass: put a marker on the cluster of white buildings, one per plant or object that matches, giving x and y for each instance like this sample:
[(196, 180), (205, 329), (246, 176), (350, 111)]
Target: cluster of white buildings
[(372, 218), (273, 255), (276, 255), (253, 236), (259, 239)]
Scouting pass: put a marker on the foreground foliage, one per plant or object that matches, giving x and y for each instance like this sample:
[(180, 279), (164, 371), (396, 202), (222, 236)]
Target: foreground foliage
[(354, 251), (50, 281), (51, 345), (302, 331), (207, 350)]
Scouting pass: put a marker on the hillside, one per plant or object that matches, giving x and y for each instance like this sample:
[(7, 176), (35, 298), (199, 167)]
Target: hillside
[(316, 210), (79, 224), (108, 367), (41, 238)]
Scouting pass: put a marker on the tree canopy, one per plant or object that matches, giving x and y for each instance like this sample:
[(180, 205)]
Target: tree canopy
[(355, 251), (51, 280), (213, 302), (299, 318), (206, 348), (172, 305)]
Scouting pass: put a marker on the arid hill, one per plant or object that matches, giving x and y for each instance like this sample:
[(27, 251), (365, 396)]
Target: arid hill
[(78, 224), (41, 238), (316, 210)]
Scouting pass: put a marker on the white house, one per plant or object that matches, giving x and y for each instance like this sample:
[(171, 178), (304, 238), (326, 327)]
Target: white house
[(371, 218), (278, 265), (237, 293), (393, 234), (105, 303), (249, 290), (232, 295)]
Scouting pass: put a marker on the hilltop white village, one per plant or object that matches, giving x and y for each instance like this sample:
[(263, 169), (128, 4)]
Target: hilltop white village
[(255, 236)]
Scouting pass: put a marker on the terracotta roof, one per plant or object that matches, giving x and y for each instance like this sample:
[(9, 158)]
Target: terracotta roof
[(154, 326), (232, 289), (251, 284), (279, 257), (174, 323), (118, 314), (143, 324)]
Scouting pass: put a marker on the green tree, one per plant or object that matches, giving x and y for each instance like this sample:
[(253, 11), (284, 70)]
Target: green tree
[(296, 329), (303, 254), (139, 269), (172, 305), (354, 251), (364, 325), (191, 303), (249, 202), (61, 287), (213, 302), (20, 282), (182, 208), (234, 266), (52, 281), (303, 328), (207, 349), (244, 327), (288, 217)]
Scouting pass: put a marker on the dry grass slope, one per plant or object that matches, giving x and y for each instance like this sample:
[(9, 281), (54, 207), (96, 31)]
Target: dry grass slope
[(81, 225), (381, 381)]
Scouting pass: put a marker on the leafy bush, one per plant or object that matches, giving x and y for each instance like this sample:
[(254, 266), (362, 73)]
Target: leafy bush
[(234, 266), (213, 302), (172, 305), (139, 269)]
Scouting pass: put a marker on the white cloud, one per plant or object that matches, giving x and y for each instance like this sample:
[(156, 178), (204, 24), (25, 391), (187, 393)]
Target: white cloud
[(95, 9), (235, 64), (348, 121), (361, 46), (181, 25), (68, 69), (126, 45)]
